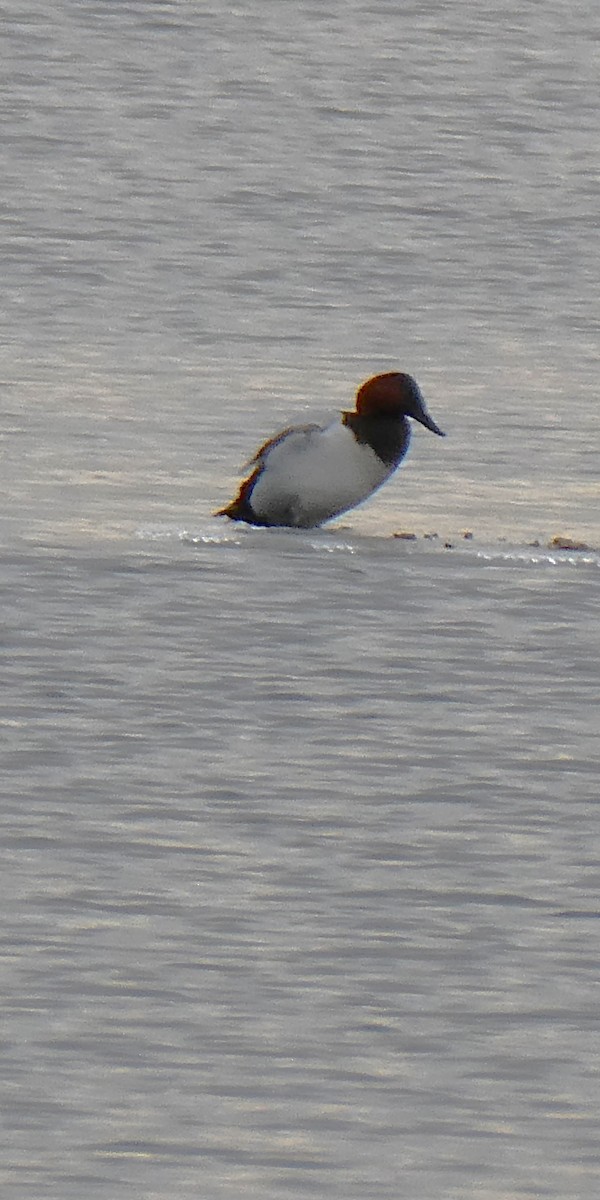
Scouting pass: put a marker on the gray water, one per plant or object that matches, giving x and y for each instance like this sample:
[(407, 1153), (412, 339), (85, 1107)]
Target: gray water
[(299, 845)]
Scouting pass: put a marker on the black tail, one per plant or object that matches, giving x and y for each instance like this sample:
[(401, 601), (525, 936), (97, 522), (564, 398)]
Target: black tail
[(237, 511), (240, 509)]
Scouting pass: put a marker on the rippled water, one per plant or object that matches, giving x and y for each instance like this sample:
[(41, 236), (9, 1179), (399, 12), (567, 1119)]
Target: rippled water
[(299, 833)]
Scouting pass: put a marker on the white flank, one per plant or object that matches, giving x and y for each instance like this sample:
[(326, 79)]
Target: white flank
[(315, 474)]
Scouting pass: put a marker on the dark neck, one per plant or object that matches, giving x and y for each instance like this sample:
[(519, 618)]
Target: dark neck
[(387, 436)]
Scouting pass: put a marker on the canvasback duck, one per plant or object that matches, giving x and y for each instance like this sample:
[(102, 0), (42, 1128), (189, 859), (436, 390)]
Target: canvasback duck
[(308, 474)]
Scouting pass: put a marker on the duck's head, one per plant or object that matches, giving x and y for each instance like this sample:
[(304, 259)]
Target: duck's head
[(394, 394)]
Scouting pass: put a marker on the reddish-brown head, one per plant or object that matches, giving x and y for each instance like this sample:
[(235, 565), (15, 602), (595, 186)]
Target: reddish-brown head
[(394, 394)]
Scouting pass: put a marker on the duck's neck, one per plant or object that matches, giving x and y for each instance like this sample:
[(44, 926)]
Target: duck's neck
[(389, 437)]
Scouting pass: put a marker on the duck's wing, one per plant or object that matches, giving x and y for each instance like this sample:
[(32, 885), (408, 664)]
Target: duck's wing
[(295, 437), (296, 432)]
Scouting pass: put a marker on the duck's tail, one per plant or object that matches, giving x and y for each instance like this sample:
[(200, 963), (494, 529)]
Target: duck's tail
[(240, 508), (234, 510)]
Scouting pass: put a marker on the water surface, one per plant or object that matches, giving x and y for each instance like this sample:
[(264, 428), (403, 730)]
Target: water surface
[(299, 831)]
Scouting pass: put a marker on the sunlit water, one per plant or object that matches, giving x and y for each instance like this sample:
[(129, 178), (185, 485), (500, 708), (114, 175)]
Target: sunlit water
[(300, 829)]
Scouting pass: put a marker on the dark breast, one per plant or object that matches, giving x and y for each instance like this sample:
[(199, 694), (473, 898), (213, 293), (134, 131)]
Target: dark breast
[(387, 436)]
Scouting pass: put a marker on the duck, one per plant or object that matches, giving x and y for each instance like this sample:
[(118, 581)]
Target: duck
[(308, 474)]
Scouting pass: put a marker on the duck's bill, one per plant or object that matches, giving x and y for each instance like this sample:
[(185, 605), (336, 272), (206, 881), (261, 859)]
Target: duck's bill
[(429, 423)]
